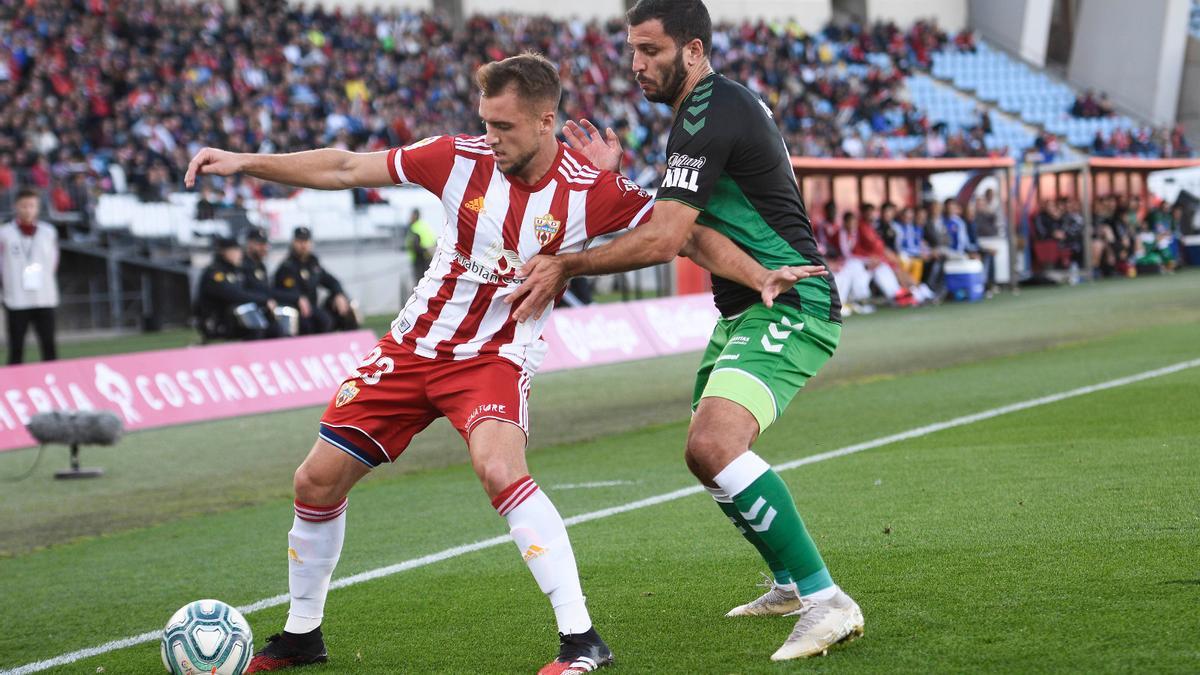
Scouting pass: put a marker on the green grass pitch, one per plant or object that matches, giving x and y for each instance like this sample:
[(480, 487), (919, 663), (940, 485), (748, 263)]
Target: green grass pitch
[(1059, 538)]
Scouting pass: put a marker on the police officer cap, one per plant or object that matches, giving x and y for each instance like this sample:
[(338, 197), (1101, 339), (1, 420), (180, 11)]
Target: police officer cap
[(256, 234), (302, 234), (221, 243)]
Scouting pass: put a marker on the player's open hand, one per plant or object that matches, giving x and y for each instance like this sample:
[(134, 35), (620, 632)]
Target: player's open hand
[(780, 280), (213, 162), (603, 151), (544, 278)]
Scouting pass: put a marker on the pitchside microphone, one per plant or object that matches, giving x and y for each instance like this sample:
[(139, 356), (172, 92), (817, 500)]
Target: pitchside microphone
[(76, 428)]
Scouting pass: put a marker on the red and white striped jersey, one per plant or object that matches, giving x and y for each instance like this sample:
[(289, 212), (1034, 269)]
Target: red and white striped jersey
[(494, 224)]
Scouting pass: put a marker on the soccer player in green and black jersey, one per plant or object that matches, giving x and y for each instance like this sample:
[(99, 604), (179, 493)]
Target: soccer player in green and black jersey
[(729, 171)]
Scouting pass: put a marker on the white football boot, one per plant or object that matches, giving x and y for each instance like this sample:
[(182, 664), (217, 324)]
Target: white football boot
[(822, 624), (777, 601)]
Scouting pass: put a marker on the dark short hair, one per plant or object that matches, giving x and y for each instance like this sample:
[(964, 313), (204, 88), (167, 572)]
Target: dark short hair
[(26, 193), (533, 76), (683, 20)]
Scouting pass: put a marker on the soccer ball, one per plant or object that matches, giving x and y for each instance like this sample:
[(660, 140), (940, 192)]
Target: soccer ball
[(207, 636)]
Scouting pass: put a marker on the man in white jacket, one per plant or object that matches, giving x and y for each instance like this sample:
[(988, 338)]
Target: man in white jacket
[(28, 265)]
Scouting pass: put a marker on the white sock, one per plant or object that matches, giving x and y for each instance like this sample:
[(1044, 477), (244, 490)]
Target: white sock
[(314, 545), (740, 473), (541, 537), (823, 594)]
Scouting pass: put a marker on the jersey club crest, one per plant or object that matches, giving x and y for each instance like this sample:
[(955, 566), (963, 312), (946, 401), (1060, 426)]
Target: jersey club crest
[(346, 394), (545, 228)]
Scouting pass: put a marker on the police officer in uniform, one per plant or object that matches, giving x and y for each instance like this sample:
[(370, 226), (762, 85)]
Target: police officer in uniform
[(254, 265), (227, 307), (301, 272)]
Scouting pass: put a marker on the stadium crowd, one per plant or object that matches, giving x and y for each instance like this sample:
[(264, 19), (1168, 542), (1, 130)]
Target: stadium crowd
[(101, 96), (117, 97)]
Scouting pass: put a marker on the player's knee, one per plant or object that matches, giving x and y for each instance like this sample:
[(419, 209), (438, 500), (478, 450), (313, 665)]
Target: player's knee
[(494, 473), (312, 487), (694, 465), (703, 450)]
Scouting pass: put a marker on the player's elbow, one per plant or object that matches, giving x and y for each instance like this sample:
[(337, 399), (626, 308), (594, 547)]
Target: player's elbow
[(661, 255), (664, 249)]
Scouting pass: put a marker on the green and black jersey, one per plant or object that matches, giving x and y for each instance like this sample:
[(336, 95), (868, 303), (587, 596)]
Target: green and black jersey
[(726, 158)]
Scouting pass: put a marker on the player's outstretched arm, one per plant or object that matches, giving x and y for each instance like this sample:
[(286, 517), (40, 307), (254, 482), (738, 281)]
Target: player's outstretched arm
[(325, 169), (718, 254)]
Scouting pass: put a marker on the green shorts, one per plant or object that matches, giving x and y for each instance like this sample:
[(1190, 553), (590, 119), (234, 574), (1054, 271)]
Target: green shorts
[(760, 358)]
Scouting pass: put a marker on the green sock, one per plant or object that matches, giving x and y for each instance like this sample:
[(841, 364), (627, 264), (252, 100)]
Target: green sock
[(766, 506), (778, 570)]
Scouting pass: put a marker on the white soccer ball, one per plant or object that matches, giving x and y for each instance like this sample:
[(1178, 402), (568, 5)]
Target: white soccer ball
[(207, 636)]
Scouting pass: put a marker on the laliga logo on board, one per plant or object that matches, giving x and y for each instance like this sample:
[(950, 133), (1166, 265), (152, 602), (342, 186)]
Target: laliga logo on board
[(597, 334), (676, 325)]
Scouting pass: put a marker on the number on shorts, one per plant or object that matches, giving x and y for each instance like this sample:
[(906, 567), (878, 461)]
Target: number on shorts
[(382, 364)]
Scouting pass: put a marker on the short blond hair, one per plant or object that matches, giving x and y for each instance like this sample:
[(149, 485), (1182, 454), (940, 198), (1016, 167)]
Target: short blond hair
[(531, 74)]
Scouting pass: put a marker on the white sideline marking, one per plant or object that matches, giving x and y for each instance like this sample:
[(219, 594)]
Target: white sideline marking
[(593, 484), (456, 551)]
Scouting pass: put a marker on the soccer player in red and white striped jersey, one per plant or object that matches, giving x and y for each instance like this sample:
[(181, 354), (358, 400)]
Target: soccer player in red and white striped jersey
[(455, 349)]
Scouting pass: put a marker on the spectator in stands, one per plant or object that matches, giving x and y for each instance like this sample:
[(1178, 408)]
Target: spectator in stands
[(206, 207), (226, 307), (985, 120), (1085, 105), (1104, 107), (6, 172), (1046, 147), (1088, 106), (28, 278), (1178, 143), (301, 273)]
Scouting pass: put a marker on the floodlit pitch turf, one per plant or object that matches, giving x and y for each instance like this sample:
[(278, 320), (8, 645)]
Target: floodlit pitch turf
[(1057, 538)]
